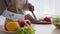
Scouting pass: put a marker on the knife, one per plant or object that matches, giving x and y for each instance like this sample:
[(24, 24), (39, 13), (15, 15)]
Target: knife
[(33, 14)]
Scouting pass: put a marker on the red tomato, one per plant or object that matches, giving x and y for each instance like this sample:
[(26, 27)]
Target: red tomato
[(21, 23), (48, 19), (28, 22)]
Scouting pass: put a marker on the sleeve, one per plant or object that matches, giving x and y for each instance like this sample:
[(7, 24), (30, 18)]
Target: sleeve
[(2, 6), (27, 4), (7, 2)]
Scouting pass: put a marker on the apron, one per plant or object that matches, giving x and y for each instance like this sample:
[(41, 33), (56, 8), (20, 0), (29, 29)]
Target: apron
[(21, 7), (13, 16)]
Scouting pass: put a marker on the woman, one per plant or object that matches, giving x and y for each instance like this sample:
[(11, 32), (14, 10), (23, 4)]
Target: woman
[(18, 7)]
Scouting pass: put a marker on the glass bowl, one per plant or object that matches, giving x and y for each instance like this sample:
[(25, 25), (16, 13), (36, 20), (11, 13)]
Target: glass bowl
[(56, 22)]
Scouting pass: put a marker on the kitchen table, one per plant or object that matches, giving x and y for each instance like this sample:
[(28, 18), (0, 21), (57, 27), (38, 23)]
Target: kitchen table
[(42, 29)]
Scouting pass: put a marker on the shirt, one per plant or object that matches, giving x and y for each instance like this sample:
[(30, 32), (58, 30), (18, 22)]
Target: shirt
[(21, 6)]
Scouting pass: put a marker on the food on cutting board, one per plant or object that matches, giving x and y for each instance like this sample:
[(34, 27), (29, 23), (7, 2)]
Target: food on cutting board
[(44, 20), (11, 26), (22, 27), (47, 19)]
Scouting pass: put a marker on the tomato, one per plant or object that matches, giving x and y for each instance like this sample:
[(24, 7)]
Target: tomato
[(21, 23), (48, 19), (28, 22)]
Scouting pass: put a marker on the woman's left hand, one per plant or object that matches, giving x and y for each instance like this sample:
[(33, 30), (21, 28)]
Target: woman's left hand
[(30, 7)]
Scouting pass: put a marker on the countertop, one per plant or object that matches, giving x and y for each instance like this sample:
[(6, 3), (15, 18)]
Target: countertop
[(42, 29)]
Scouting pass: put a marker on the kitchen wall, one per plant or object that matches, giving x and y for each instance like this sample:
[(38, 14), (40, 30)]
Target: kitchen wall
[(57, 7), (46, 8)]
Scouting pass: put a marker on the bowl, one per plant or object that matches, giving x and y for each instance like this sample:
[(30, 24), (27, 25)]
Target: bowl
[(56, 22)]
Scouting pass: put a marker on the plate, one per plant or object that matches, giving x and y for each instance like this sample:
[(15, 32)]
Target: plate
[(3, 30)]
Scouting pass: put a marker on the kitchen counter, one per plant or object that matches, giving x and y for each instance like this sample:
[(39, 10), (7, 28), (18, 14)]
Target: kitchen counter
[(42, 29)]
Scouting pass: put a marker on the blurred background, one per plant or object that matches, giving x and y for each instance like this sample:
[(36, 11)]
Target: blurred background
[(46, 8), (42, 8)]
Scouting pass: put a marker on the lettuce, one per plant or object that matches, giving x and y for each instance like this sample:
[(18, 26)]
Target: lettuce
[(25, 30)]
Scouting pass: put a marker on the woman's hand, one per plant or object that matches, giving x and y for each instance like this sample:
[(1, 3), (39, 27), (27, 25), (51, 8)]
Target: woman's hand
[(29, 17), (30, 7)]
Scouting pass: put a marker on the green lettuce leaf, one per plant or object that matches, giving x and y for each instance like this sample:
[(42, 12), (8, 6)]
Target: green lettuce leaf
[(25, 30)]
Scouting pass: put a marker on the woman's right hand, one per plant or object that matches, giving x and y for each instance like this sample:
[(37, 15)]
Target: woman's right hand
[(29, 17)]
